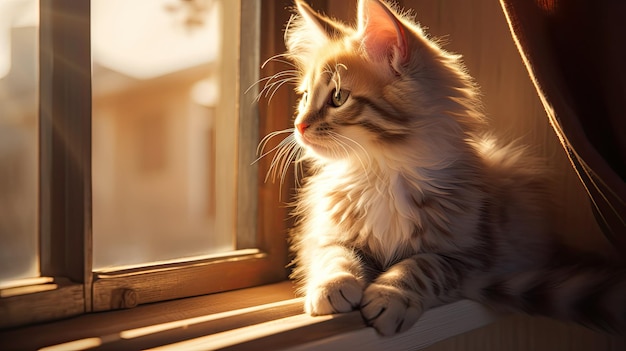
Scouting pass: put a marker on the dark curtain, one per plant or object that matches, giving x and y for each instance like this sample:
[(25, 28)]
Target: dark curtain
[(575, 52)]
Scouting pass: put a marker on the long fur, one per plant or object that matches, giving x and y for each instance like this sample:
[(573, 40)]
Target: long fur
[(410, 202)]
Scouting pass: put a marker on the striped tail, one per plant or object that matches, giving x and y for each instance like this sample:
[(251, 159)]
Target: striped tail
[(591, 295)]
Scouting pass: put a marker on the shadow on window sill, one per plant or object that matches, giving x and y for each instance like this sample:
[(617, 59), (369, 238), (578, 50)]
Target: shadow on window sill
[(262, 318)]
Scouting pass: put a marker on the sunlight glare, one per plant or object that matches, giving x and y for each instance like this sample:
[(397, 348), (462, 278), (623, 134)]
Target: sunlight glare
[(82, 344), (140, 39), (157, 328), (244, 334), (13, 14)]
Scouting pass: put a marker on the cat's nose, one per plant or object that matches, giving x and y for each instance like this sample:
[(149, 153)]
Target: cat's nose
[(302, 127)]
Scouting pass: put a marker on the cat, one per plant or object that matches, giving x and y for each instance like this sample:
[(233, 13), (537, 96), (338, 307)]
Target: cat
[(409, 203)]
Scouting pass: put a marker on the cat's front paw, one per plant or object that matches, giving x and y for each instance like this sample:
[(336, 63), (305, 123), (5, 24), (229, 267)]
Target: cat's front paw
[(336, 294), (388, 309)]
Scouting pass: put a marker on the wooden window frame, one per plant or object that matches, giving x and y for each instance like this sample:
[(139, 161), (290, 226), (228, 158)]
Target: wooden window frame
[(68, 286)]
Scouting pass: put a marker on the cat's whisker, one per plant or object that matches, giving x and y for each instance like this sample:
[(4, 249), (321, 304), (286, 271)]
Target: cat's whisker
[(282, 156), (271, 86), (287, 152), (256, 83), (338, 81), (276, 58), (274, 80), (292, 156), (271, 81), (337, 84), (295, 157), (279, 159), (341, 145), (327, 70), (291, 18), (348, 151), (281, 83), (354, 142), (271, 171), (264, 141), (267, 153), (298, 170), (364, 164), (260, 149), (290, 159), (282, 145), (259, 94), (270, 78), (334, 74), (351, 143)]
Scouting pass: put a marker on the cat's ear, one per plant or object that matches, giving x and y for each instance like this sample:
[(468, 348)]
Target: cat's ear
[(382, 33), (323, 25), (309, 31)]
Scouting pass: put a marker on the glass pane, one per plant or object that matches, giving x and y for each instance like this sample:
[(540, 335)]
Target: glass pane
[(18, 139), (164, 131)]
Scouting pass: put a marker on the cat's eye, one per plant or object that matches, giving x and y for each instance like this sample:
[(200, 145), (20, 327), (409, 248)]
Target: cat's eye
[(338, 97), (305, 97)]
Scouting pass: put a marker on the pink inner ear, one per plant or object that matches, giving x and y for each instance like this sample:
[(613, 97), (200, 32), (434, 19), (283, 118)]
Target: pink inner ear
[(381, 30)]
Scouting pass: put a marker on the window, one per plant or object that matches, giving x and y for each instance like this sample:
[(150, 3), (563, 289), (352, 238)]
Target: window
[(147, 185), (18, 141), (162, 130)]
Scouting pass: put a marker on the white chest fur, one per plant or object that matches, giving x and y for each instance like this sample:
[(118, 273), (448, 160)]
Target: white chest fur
[(372, 211)]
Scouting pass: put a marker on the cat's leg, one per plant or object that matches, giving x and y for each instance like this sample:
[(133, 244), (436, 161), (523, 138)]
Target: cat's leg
[(399, 296), (334, 282)]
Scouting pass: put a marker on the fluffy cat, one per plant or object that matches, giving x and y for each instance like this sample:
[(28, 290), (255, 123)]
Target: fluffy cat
[(409, 204)]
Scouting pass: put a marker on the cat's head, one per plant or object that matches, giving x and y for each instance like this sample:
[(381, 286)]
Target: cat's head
[(379, 88)]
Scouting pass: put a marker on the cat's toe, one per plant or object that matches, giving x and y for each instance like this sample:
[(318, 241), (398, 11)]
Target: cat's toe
[(337, 294), (388, 310)]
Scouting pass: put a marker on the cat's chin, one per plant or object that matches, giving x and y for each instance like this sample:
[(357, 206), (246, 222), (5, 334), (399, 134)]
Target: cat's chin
[(302, 140), (317, 151), (320, 153)]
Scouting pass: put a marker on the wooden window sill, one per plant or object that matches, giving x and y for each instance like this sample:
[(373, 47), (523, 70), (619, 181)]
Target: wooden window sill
[(261, 318)]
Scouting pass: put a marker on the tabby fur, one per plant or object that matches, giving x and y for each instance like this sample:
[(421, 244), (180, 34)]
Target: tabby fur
[(409, 202)]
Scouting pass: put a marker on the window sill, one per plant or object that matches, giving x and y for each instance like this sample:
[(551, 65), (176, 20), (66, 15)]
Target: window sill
[(261, 318)]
